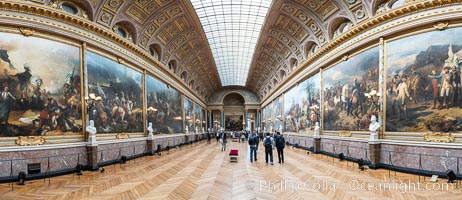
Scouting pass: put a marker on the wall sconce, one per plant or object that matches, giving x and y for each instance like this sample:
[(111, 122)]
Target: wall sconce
[(151, 110), (375, 98)]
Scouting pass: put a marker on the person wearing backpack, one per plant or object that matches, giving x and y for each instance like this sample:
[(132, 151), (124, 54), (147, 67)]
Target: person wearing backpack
[(268, 143), (280, 144), (253, 147)]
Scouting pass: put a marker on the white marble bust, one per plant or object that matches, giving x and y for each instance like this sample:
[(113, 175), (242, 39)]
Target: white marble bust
[(316, 130), (150, 131), (91, 129), (374, 124)]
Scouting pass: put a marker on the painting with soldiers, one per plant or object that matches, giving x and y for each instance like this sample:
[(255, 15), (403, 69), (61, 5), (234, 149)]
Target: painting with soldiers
[(345, 105), (197, 118), (423, 82), (277, 114), (302, 105), (116, 96), (189, 115), (164, 107), (40, 87)]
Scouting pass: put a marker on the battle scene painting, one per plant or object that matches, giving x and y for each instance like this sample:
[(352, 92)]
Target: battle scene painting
[(423, 82), (40, 87), (197, 118), (234, 122), (115, 96), (268, 121), (189, 115), (166, 112), (302, 105), (277, 114), (204, 120), (345, 104)]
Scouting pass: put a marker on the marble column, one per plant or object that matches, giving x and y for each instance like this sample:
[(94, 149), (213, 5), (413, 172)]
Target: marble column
[(222, 119), (246, 117)]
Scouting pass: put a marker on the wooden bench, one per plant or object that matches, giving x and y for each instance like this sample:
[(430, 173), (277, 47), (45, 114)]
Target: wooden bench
[(233, 155)]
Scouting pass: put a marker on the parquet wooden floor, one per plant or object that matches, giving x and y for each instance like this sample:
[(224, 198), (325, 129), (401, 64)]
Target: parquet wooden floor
[(202, 171)]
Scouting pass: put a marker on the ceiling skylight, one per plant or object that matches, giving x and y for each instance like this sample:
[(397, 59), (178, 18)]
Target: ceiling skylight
[(232, 28)]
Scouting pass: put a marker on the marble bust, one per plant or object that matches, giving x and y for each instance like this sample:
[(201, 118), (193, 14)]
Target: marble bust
[(316, 130), (91, 129), (373, 127), (374, 124), (150, 130)]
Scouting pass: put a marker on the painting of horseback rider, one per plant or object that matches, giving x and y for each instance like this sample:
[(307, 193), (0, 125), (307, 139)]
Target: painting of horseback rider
[(351, 79)]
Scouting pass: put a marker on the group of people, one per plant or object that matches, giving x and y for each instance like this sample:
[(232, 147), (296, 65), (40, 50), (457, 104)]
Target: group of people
[(270, 142)]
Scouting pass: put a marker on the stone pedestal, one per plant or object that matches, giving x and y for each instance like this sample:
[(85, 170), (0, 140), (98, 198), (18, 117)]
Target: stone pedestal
[(150, 146), (374, 149), (92, 157), (317, 144)]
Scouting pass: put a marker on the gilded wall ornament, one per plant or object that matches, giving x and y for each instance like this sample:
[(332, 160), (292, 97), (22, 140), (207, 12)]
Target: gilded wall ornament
[(439, 137), (441, 25), (26, 31), (30, 140)]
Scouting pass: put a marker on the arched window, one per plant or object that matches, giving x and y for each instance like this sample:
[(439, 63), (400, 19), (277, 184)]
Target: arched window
[(396, 4), (125, 29), (172, 66), (70, 7), (154, 51), (293, 63)]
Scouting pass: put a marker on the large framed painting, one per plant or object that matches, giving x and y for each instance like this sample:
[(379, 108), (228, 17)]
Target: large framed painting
[(423, 82), (164, 107), (268, 118), (40, 87), (345, 85), (234, 122), (197, 118), (277, 114), (204, 120), (118, 87), (189, 115), (302, 105)]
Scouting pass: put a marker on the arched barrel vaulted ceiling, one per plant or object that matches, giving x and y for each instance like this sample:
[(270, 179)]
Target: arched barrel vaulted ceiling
[(293, 31), (171, 25)]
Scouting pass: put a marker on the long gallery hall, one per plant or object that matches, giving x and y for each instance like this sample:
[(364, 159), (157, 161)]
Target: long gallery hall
[(203, 171), (176, 99)]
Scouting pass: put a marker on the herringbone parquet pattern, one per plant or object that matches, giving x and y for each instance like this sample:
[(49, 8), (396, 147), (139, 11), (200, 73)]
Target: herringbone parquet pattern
[(201, 171)]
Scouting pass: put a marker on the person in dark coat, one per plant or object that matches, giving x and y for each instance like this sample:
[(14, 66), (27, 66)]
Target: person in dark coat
[(280, 144)]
